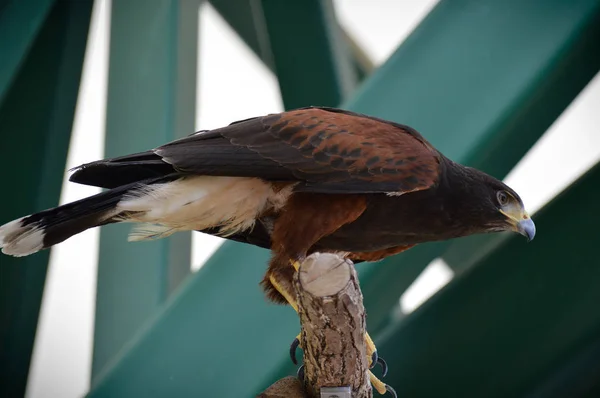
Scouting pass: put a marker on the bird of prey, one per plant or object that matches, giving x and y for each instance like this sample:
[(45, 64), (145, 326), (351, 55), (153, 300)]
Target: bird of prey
[(313, 179)]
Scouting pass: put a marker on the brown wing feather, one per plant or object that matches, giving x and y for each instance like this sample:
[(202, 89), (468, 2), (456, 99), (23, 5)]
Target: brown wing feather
[(379, 254), (335, 150), (323, 149)]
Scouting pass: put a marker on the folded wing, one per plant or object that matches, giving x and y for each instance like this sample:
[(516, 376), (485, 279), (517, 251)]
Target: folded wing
[(320, 149)]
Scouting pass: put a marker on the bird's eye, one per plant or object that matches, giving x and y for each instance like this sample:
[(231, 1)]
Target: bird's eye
[(502, 198)]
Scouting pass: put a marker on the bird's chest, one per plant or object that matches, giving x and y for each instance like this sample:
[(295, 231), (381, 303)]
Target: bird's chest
[(392, 221)]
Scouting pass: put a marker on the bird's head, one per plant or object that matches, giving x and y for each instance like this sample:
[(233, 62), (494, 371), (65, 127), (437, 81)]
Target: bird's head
[(493, 206)]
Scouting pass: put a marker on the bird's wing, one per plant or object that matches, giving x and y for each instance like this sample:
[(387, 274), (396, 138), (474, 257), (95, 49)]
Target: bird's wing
[(320, 149), (324, 149)]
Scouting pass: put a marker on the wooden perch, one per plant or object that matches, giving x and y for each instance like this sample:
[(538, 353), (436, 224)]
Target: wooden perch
[(332, 317), (288, 387)]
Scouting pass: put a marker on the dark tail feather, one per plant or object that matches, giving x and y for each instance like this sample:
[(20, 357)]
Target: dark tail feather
[(42, 230), (116, 172)]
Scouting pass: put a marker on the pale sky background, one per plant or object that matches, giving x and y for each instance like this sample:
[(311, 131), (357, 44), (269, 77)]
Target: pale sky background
[(233, 84)]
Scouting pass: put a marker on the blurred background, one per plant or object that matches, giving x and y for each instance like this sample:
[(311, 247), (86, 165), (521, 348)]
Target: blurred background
[(508, 86)]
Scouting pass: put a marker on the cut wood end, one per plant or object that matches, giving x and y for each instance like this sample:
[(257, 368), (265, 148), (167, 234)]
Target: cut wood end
[(324, 274)]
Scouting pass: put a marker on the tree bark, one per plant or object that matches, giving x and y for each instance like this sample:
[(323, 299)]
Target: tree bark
[(332, 315)]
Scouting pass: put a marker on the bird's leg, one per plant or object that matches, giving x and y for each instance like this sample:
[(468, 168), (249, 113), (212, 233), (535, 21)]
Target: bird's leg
[(372, 357)]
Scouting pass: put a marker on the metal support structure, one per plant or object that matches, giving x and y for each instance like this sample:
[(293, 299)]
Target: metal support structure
[(319, 71), (576, 377), (151, 100), (506, 325), (247, 19), (216, 325), (336, 392), (20, 23), (40, 82)]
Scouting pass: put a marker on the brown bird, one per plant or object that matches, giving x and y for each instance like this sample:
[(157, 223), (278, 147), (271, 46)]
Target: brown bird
[(309, 180)]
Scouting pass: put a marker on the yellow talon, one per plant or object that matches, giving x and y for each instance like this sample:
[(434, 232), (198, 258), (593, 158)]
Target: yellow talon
[(370, 348), (295, 264), (377, 384), (288, 297)]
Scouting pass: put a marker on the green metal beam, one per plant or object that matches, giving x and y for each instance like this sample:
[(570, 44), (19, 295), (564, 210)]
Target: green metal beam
[(247, 19), (36, 118), (151, 100), (211, 331), (505, 325), (320, 68), (244, 17), (577, 377), (20, 23), (474, 77)]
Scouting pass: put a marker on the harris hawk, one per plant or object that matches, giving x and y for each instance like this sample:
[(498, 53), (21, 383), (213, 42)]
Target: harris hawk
[(314, 179)]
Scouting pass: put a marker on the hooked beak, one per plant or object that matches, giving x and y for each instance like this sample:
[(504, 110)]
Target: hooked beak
[(526, 227), (521, 223)]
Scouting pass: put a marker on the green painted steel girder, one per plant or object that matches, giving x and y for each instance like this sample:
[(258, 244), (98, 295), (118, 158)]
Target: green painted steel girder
[(214, 329), (247, 18), (151, 100), (473, 78), (576, 377), (319, 68), (20, 23), (505, 325), (36, 117)]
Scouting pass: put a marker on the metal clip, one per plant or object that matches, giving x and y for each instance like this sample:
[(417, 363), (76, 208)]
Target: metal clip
[(336, 392)]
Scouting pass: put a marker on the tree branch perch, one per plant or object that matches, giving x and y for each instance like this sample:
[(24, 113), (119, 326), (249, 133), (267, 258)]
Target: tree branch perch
[(332, 316)]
